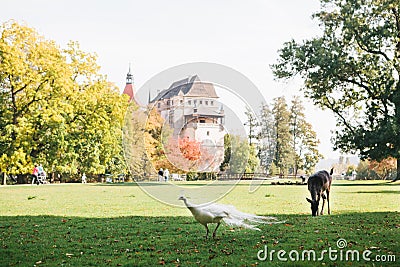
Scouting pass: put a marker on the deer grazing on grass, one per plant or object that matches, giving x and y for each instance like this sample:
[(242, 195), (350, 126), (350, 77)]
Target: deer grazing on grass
[(319, 184)]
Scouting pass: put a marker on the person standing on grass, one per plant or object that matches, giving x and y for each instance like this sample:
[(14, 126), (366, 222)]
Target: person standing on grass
[(35, 174), (41, 170), (166, 175), (83, 178), (160, 175)]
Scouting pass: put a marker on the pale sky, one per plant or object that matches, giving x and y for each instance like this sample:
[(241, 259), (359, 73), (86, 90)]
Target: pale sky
[(157, 35)]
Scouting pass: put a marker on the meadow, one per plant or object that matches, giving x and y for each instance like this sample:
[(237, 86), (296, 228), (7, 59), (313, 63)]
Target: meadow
[(121, 225)]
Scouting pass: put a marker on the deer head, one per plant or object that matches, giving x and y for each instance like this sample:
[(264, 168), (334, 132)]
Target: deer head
[(314, 206)]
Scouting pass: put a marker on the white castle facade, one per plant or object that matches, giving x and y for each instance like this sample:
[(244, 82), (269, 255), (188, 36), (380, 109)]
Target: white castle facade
[(191, 108)]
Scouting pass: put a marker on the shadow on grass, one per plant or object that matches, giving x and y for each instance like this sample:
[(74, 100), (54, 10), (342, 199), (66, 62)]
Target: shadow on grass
[(388, 183), (266, 183), (151, 241), (378, 192), (197, 184)]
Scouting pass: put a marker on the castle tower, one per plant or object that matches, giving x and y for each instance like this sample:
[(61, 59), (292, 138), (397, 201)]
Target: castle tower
[(129, 90)]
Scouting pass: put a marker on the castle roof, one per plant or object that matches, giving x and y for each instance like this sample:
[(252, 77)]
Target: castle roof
[(202, 111), (128, 90), (190, 86)]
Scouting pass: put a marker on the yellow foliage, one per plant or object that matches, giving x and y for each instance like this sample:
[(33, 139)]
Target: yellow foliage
[(55, 108)]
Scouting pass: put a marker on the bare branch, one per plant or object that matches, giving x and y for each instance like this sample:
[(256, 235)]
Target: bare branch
[(364, 47), (331, 106)]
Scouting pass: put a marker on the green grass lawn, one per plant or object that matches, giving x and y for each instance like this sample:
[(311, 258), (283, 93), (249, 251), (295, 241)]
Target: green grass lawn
[(120, 225)]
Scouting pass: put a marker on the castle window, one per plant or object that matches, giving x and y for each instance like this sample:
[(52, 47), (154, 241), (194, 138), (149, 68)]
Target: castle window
[(190, 102), (208, 133), (206, 102), (181, 102), (202, 121), (201, 102), (212, 103), (159, 105)]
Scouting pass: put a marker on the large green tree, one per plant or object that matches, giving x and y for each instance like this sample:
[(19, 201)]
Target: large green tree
[(284, 153), (55, 107), (304, 139), (353, 69), (239, 155), (267, 138)]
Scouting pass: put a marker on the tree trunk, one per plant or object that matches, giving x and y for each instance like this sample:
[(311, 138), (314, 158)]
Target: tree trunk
[(4, 179)]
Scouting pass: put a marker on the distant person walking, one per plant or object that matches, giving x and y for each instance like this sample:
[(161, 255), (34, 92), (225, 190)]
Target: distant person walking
[(35, 173), (166, 175), (160, 175), (83, 178), (41, 171)]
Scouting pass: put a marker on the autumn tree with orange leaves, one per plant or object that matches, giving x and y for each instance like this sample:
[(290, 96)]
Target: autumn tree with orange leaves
[(384, 168)]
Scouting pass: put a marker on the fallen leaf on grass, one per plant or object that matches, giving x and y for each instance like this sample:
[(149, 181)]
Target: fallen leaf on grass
[(227, 252)]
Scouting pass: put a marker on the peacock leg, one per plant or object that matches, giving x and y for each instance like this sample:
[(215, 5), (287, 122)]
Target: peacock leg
[(205, 225), (216, 229)]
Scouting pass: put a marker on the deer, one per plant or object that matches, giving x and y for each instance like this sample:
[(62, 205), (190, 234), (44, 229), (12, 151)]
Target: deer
[(319, 184)]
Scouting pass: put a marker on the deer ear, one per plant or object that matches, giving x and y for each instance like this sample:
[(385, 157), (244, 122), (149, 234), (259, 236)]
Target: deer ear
[(309, 200)]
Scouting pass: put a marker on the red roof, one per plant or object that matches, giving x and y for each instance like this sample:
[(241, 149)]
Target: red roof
[(129, 91)]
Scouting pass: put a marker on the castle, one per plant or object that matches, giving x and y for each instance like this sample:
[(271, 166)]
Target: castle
[(191, 108)]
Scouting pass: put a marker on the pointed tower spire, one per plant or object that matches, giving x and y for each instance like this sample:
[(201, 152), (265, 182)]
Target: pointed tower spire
[(129, 76), (149, 100)]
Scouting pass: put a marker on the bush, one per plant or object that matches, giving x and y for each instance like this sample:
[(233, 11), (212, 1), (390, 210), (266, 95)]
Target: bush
[(195, 176)]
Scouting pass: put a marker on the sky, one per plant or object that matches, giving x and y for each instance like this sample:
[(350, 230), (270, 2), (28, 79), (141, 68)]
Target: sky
[(156, 35)]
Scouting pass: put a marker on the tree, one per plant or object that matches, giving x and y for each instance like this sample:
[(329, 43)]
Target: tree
[(284, 150), (253, 161), (237, 157), (56, 109), (227, 153), (267, 138), (353, 69), (364, 172), (373, 170), (252, 123), (136, 139), (304, 139), (286, 138), (297, 123), (239, 154), (185, 155), (156, 136), (28, 68), (342, 165), (384, 168), (190, 149)]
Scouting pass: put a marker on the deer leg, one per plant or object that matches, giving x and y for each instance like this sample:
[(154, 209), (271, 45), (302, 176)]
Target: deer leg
[(205, 225), (216, 229), (323, 204), (327, 199)]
